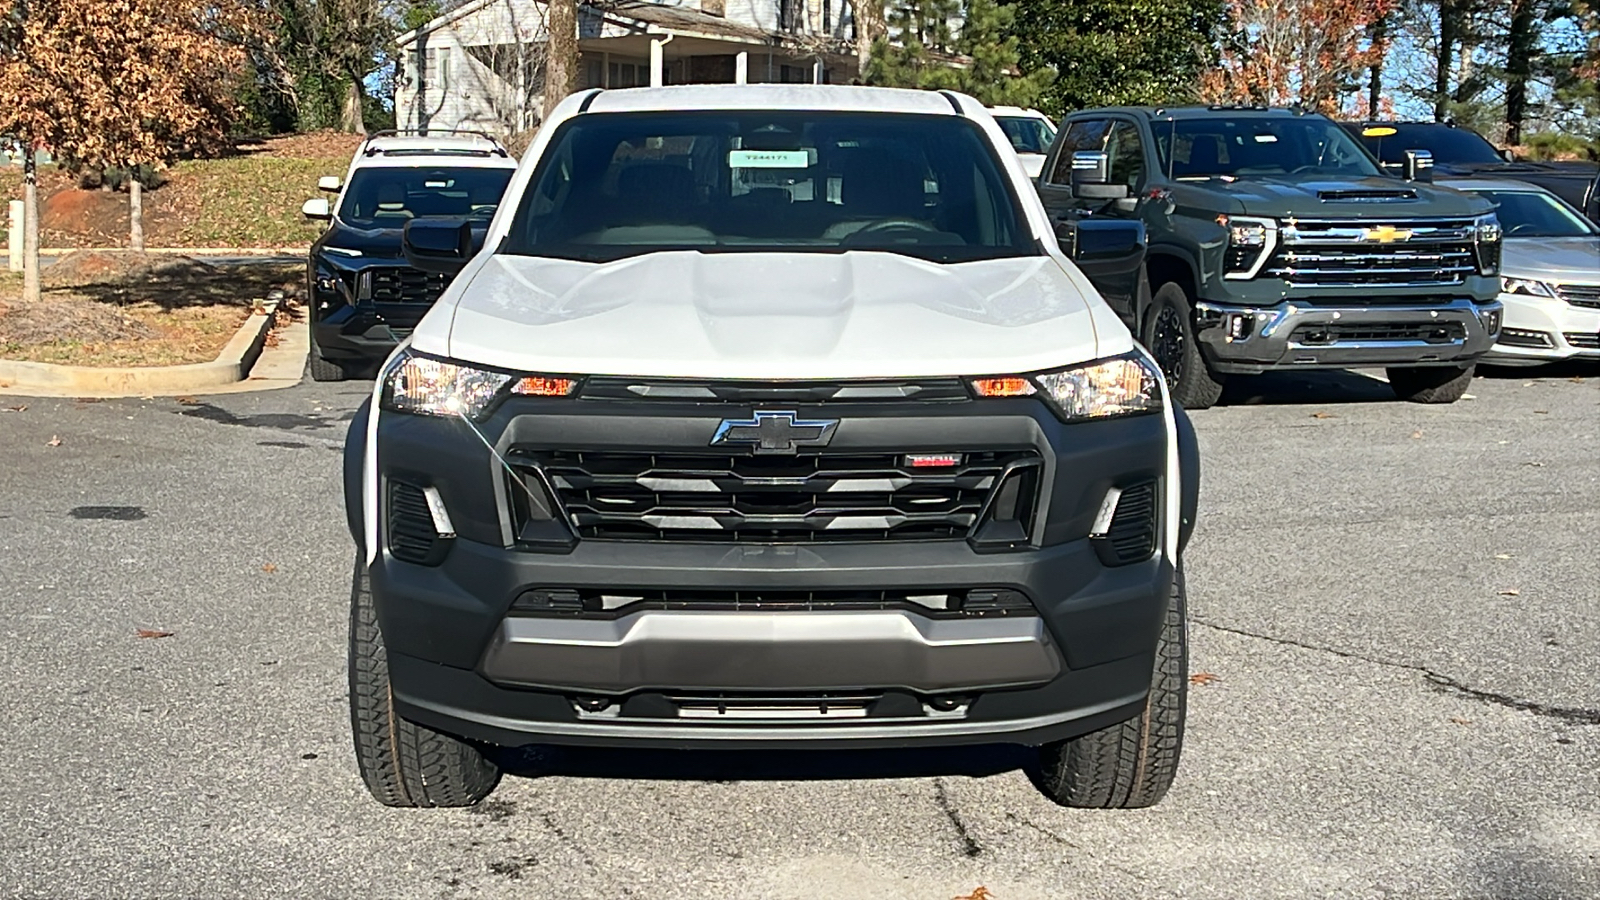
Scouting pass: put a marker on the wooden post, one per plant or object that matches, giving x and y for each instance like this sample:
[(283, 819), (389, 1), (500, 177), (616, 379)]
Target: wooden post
[(135, 210), (30, 224)]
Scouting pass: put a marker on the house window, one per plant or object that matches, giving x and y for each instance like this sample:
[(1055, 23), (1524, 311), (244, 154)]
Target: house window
[(433, 68), (628, 75)]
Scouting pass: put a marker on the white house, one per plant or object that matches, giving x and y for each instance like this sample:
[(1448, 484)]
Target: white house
[(480, 66)]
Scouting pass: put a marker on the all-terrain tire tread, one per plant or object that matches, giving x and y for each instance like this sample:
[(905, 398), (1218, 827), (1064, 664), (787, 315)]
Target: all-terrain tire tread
[(1199, 388), (1130, 765), (402, 763), (1430, 384), (324, 369)]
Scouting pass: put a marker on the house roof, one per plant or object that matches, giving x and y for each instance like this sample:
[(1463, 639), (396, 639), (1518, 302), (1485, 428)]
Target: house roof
[(641, 14)]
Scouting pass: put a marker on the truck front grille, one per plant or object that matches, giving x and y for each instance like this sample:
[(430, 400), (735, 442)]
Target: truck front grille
[(1368, 253), (402, 284), (808, 497), (1586, 295)]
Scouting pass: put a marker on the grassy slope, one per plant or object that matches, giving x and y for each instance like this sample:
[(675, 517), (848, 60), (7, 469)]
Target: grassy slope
[(251, 199)]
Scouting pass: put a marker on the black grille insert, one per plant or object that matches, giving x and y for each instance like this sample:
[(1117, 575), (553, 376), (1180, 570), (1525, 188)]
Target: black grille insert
[(1584, 341), (610, 603), (403, 284), (1338, 332), (1131, 537), (1585, 295), (808, 497), (412, 537)]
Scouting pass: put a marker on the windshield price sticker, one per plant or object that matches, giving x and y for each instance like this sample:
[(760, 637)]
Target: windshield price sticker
[(769, 159)]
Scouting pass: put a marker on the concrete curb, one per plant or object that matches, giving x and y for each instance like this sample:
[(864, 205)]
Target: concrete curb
[(231, 366), (188, 251)]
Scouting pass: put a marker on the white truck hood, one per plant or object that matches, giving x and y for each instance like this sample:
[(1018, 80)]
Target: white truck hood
[(771, 316)]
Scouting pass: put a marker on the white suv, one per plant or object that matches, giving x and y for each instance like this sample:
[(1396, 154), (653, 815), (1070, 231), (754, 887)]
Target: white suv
[(770, 416), (364, 298)]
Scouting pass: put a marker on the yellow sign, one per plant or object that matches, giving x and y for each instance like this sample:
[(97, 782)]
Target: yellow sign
[(1387, 234), (1378, 131)]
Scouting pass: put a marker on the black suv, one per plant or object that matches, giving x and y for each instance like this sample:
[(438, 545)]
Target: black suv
[(364, 297), (1460, 152)]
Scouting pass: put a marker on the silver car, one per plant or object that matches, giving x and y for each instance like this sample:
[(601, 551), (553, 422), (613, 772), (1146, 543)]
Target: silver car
[(1550, 276)]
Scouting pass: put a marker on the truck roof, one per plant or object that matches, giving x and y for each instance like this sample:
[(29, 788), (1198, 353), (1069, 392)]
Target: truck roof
[(1201, 112), (774, 97)]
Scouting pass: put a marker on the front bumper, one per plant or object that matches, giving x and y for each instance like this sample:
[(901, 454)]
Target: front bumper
[(1541, 330), (1248, 340), (466, 659)]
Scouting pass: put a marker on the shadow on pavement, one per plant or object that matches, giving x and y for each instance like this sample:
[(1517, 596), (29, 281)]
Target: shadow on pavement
[(1321, 386), (765, 765)]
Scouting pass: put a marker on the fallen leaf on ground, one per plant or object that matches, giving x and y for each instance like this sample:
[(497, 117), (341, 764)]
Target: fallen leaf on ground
[(1535, 464), (53, 442), (1204, 678), (982, 893), (1460, 721), (1527, 384), (152, 633), (188, 401), (1576, 379), (1322, 415), (1511, 592), (22, 408), (1502, 556), (269, 568), (1542, 412), (1415, 435)]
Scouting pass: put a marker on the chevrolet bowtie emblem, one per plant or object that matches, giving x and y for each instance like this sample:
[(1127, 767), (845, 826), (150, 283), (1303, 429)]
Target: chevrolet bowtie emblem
[(775, 432), (1387, 234)]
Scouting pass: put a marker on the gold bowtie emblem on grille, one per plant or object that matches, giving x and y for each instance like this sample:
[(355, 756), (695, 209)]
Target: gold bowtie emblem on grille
[(1387, 234)]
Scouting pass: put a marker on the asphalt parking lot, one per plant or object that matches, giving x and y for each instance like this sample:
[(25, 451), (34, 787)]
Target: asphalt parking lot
[(1400, 606)]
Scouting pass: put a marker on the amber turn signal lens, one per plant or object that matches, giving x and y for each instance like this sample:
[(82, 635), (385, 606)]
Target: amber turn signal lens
[(1002, 387), (538, 386)]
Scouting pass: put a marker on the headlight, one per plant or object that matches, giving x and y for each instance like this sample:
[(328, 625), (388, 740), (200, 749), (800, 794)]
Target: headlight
[(1486, 236), (1525, 286), (1250, 242), (432, 387), (424, 386), (1123, 386)]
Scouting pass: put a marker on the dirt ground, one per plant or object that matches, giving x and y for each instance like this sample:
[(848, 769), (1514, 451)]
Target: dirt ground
[(104, 308)]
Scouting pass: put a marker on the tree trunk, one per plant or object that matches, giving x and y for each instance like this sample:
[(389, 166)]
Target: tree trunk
[(1449, 33), (352, 119), (869, 26), (1521, 44), (1380, 48), (30, 225), (561, 68), (135, 211)]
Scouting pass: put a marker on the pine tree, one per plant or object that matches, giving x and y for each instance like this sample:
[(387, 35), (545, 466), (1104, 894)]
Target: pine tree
[(950, 45)]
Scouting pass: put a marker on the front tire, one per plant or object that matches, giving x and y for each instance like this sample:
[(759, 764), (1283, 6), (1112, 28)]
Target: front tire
[(1131, 764), (402, 763), (1168, 334), (1430, 384), (324, 369)]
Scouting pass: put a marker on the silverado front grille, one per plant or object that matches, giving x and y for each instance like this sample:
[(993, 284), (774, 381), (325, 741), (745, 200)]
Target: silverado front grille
[(402, 284), (1340, 332), (807, 497), (1362, 254), (1587, 295)]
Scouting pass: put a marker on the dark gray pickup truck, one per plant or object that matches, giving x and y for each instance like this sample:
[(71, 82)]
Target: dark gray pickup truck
[(1276, 241)]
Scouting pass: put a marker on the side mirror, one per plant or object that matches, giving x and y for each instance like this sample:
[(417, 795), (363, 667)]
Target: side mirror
[(330, 183), (1108, 239), (439, 245), (1418, 165), (316, 208), (1091, 170), (1508, 155)]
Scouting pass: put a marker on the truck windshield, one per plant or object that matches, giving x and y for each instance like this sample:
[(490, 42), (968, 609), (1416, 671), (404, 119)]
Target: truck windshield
[(1259, 146), (1535, 214), (390, 196), (615, 185), (1026, 133)]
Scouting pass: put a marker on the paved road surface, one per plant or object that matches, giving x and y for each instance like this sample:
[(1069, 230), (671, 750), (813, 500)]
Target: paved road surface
[(1400, 603)]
